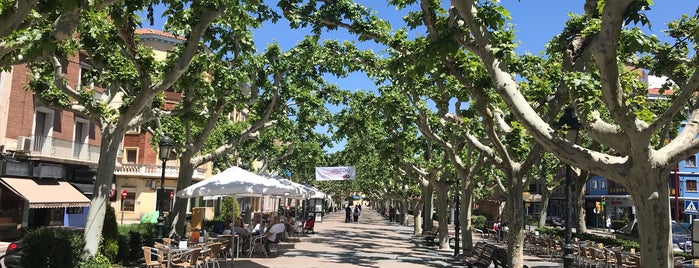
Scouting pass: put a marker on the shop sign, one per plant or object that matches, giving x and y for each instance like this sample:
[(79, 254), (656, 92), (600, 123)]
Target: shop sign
[(16, 169)]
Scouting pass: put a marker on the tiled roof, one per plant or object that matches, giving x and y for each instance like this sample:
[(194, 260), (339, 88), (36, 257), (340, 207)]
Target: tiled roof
[(166, 35), (656, 91)]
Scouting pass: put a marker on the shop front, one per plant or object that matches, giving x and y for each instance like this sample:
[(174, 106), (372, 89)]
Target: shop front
[(31, 203)]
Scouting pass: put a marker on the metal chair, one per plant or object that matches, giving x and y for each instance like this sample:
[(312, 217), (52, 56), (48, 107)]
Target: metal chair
[(258, 242), (190, 258)]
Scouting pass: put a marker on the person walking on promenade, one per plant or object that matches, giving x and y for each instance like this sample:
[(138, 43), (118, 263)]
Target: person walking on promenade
[(391, 214), (609, 224), (356, 213), (348, 212)]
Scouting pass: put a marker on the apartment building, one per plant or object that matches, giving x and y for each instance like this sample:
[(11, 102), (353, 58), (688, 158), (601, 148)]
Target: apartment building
[(48, 157)]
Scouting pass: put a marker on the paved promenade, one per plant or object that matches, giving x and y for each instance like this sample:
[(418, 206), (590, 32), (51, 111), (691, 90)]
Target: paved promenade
[(371, 242)]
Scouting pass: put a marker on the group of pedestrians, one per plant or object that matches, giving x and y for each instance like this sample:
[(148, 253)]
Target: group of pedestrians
[(352, 214)]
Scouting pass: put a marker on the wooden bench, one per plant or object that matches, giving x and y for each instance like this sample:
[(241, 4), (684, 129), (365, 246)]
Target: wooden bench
[(492, 233), (500, 258), (430, 236), (482, 260), (476, 251)]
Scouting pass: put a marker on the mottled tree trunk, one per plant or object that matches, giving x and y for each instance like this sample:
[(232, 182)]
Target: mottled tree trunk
[(404, 214), (184, 180), (545, 199), (466, 203), (417, 217), (427, 202), (650, 194), (442, 214), (514, 213), (111, 137), (578, 192)]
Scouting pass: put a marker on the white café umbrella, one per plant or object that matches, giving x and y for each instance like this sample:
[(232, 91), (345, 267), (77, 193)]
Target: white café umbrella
[(300, 191), (236, 181), (318, 194)]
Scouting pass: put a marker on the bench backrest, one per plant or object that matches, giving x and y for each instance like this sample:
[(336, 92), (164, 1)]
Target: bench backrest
[(478, 248)]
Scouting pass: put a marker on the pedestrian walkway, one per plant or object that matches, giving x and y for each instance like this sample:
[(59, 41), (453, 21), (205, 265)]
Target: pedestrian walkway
[(371, 242)]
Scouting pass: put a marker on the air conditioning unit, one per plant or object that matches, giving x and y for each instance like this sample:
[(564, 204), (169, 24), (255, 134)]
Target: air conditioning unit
[(24, 143)]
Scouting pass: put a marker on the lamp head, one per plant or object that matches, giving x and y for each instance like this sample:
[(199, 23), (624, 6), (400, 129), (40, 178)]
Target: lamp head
[(569, 122), (165, 145)]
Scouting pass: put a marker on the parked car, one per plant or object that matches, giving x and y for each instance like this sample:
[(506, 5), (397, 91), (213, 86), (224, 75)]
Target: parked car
[(13, 255), (681, 236), (555, 221)]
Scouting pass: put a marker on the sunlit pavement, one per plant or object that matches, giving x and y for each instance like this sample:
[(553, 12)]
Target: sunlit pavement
[(371, 242)]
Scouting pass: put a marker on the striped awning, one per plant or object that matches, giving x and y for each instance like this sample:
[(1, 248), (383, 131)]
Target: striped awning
[(46, 193)]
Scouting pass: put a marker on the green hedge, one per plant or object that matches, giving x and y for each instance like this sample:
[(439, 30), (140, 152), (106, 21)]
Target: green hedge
[(52, 247), (131, 238), (478, 221), (606, 240), (616, 224)]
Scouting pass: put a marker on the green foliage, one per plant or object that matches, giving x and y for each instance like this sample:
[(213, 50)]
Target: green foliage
[(606, 240), (109, 243), (96, 261), (131, 238), (616, 224), (52, 247), (478, 221), (229, 208)]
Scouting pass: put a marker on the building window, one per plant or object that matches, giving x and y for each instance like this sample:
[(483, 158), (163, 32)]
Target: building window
[(129, 201), (691, 161), (134, 130), (75, 210), (691, 185), (593, 185), (43, 126), (602, 184), (130, 156)]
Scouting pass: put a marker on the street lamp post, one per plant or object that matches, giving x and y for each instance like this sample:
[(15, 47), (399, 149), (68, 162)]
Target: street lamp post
[(569, 122), (165, 146), (457, 223)]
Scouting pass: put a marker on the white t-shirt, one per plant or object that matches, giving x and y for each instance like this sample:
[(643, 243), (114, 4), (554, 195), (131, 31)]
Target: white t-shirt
[(259, 229), (276, 229)]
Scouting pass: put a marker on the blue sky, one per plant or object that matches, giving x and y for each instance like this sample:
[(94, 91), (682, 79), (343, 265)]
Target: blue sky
[(535, 22)]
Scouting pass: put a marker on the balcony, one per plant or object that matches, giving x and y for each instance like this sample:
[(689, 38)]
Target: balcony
[(60, 150), (155, 171)]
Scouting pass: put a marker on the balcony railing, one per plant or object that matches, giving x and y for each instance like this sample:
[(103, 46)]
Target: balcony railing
[(40, 145), (154, 171)]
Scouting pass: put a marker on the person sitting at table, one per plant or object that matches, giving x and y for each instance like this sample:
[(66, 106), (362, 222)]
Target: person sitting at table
[(260, 228), (256, 219), (289, 222), (239, 227), (277, 229)]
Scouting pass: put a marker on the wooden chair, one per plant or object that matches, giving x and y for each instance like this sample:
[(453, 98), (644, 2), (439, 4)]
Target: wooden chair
[(624, 262), (190, 258), (148, 253), (610, 257)]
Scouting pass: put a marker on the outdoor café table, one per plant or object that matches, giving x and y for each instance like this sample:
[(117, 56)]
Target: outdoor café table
[(172, 251)]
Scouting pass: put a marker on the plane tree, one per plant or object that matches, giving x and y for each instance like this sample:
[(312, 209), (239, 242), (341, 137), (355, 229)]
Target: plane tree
[(130, 78), (611, 100), (286, 86), (31, 30)]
